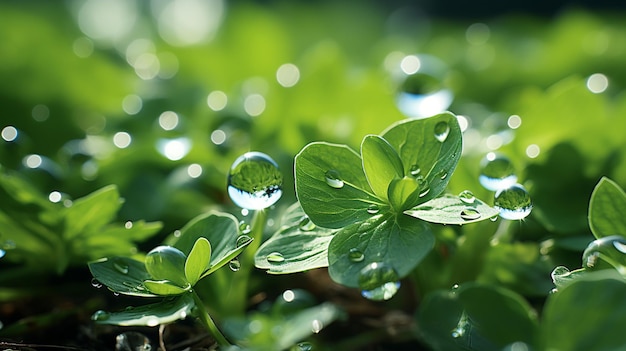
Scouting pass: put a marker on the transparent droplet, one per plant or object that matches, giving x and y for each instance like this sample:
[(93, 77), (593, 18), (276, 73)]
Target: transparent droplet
[(467, 197), (306, 224), (424, 192), (132, 341), (610, 249), (333, 179), (496, 172), (234, 265), (415, 170), (355, 255), (304, 346), (442, 129), (166, 263), (422, 185), (244, 227), (443, 175), (423, 92), (121, 267), (2, 253), (100, 316), (317, 326), (461, 327), (254, 181), (373, 209), (275, 257), (96, 283), (378, 281), (513, 202), (469, 214), (242, 240)]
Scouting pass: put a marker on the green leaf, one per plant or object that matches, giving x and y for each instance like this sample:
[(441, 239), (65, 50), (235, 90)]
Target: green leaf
[(163, 312), (92, 212), (419, 149), (607, 209), (403, 192), (381, 164), (165, 287), (167, 263), (302, 244), (331, 205), (220, 229), (450, 209), (122, 275), (198, 260), (399, 241), (591, 306)]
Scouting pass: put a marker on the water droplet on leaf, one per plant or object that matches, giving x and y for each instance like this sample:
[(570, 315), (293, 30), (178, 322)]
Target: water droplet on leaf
[(513, 202), (166, 263), (373, 209), (443, 175), (316, 326), (610, 249), (333, 179), (244, 227), (470, 214), (467, 197), (96, 283), (121, 267), (305, 346), (442, 129), (378, 281), (2, 253), (132, 341), (254, 181), (234, 265), (152, 322), (100, 316), (306, 224), (415, 170), (275, 257), (423, 93), (242, 240), (355, 255), (496, 172)]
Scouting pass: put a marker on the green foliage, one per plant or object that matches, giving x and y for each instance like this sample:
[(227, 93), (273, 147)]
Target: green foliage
[(607, 209)]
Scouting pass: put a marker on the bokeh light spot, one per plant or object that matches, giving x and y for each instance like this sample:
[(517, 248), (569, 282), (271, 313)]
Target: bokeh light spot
[(533, 150), (122, 140), (168, 120), (410, 64), (288, 75), (132, 104), (514, 121), (217, 100), (218, 137), (194, 170), (597, 83), (9, 133), (254, 104), (40, 113)]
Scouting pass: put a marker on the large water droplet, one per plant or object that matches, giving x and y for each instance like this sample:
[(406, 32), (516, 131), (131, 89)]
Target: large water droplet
[(442, 129), (469, 214), (100, 316), (415, 170), (132, 341), (423, 93), (355, 255), (467, 197), (306, 225), (378, 281), (373, 209), (610, 249), (275, 257), (166, 263), (496, 172), (254, 181), (242, 240), (333, 179), (96, 283), (244, 227), (234, 265), (513, 202)]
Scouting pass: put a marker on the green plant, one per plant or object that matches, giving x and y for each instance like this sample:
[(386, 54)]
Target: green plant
[(365, 215)]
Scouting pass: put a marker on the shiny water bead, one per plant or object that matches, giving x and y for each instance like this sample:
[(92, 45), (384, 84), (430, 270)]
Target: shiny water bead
[(610, 249), (100, 315), (373, 209), (234, 265), (132, 341), (355, 255), (254, 181), (306, 225), (275, 257), (469, 214), (166, 263), (378, 281), (242, 240), (496, 172), (467, 197), (513, 202), (442, 129), (333, 179)]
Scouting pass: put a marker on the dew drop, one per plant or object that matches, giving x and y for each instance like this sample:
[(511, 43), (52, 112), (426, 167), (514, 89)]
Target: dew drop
[(423, 92), (415, 170), (442, 129), (100, 315), (234, 265), (166, 263), (373, 209), (424, 192), (152, 322), (132, 341), (244, 228), (496, 172), (275, 257), (355, 255), (121, 267), (317, 326), (609, 249), (443, 175), (254, 181), (242, 240), (470, 214), (2, 253), (513, 202), (378, 281), (333, 179), (467, 197), (306, 224), (305, 346), (461, 327), (96, 283)]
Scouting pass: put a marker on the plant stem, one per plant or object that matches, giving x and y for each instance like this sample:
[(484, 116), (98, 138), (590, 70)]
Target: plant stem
[(239, 285), (208, 322)]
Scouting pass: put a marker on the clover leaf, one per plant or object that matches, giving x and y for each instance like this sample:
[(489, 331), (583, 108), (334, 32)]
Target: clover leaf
[(368, 199)]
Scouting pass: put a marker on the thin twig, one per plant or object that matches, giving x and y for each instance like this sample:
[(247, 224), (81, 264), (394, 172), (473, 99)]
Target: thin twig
[(13, 344)]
